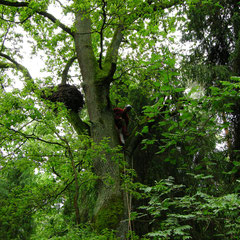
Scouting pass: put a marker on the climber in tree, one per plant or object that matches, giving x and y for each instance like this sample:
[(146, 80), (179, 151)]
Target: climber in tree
[(121, 119)]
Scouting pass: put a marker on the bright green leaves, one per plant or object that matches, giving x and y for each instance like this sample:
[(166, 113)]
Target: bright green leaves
[(36, 167), (16, 109), (176, 216), (16, 197)]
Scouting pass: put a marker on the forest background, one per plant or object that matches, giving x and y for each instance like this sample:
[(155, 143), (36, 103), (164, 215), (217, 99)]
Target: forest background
[(63, 173)]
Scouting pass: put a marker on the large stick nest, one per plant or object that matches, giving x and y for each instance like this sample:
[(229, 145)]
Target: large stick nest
[(67, 94)]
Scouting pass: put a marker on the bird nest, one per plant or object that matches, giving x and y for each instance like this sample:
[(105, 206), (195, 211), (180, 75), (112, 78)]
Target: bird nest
[(67, 94)]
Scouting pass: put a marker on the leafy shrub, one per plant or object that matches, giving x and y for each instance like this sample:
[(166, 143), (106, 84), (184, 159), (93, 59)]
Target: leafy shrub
[(180, 216)]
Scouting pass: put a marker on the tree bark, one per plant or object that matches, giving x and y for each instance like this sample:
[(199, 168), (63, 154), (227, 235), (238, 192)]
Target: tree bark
[(109, 208)]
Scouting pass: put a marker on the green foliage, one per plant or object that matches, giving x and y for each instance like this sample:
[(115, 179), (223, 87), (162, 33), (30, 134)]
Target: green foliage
[(47, 170), (177, 214), (57, 230), (16, 202), (109, 214)]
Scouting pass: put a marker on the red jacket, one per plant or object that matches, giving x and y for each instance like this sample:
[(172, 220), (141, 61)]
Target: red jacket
[(119, 114)]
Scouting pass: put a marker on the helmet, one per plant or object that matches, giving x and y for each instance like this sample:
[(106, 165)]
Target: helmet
[(128, 107)]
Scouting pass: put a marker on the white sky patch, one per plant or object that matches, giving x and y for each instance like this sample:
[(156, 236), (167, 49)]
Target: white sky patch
[(56, 11), (38, 171), (33, 63)]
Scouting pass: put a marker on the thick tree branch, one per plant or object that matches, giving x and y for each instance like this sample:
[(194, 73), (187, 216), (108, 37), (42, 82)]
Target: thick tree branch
[(43, 13), (112, 52), (110, 62), (15, 64), (55, 20), (66, 69), (133, 140), (79, 126), (6, 65), (86, 58), (101, 32), (10, 59), (14, 4)]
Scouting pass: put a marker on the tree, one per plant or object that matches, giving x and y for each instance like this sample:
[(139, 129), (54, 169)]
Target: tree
[(97, 33), (215, 24)]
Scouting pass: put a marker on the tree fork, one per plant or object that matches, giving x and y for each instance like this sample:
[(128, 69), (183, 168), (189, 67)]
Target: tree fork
[(109, 208)]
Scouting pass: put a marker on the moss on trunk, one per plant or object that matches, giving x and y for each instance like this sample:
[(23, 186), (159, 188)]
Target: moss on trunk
[(110, 214)]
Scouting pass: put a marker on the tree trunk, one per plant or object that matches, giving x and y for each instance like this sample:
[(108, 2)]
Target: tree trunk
[(109, 208)]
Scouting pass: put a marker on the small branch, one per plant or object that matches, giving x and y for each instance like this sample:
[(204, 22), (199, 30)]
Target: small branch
[(10, 59), (67, 67), (101, 32), (9, 21), (163, 5), (49, 199), (59, 193), (55, 20), (52, 198), (61, 4), (15, 150), (32, 136), (131, 68), (4, 38), (18, 66), (56, 173)]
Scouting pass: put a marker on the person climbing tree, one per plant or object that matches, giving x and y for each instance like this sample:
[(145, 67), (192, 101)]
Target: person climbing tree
[(121, 119)]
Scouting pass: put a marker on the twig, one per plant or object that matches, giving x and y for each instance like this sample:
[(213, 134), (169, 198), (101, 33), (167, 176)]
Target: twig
[(20, 22), (32, 136), (4, 38), (55, 172)]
